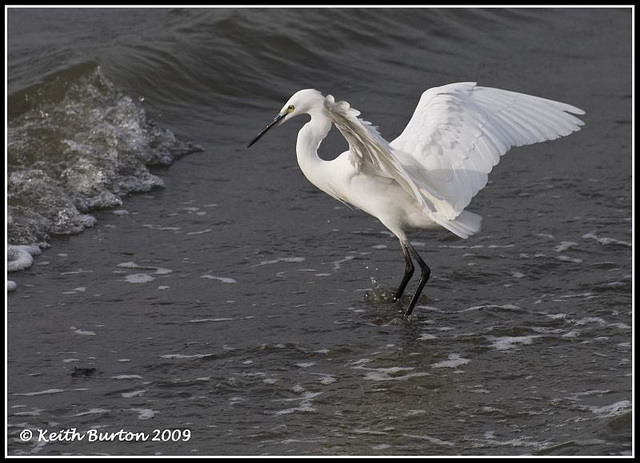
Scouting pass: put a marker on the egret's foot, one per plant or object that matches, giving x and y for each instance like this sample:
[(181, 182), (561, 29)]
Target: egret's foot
[(410, 317), (398, 294), (379, 295)]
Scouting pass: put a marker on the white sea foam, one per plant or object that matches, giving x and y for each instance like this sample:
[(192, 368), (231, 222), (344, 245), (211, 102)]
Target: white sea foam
[(34, 412), (622, 326), (208, 230), (281, 259), (144, 413), (338, 263), (564, 245), (127, 265), (454, 361), (478, 389), (49, 391), (222, 279), (137, 278), (370, 432), (605, 240), (517, 442), (93, 411), (510, 342), (210, 320), (129, 395), (491, 306), (20, 257), (306, 403), (184, 356), (587, 320), (569, 259), (156, 227), (576, 395), (607, 411), (327, 379), (85, 332), (76, 272), (305, 364), (391, 374), (381, 447), (571, 295), (432, 440), (133, 265)]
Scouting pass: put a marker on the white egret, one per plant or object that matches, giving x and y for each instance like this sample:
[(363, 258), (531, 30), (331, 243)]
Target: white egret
[(427, 176)]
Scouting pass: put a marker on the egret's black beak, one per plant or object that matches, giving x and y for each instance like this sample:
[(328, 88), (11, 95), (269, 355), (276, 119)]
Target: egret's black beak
[(277, 119)]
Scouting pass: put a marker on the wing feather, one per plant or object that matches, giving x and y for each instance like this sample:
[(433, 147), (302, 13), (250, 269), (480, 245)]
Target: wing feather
[(456, 135), (367, 148), (459, 131)]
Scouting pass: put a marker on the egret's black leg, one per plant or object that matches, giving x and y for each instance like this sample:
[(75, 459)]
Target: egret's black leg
[(408, 271), (425, 272)]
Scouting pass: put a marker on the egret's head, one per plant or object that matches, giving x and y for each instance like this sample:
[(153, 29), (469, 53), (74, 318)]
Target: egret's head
[(302, 102)]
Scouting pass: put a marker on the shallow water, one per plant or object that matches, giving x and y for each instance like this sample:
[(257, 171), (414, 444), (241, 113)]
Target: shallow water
[(234, 300)]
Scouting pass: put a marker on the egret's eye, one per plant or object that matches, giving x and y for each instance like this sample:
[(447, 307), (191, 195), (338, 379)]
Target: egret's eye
[(291, 108)]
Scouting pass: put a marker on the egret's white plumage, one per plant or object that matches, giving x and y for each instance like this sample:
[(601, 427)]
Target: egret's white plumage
[(429, 174)]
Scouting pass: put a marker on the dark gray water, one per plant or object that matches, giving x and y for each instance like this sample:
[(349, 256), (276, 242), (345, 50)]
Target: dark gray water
[(230, 308)]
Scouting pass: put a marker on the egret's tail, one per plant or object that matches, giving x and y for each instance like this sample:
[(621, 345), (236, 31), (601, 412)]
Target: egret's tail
[(465, 225)]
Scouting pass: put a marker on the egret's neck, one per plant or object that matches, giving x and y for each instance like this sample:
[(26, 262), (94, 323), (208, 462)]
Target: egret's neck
[(309, 139)]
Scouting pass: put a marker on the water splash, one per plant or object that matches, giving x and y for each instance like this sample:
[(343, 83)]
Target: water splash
[(76, 143), (379, 294)]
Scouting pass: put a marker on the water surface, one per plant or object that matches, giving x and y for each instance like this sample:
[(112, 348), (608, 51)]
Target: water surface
[(230, 298)]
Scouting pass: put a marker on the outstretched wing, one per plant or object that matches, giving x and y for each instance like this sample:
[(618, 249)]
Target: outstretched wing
[(459, 131), (367, 149)]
